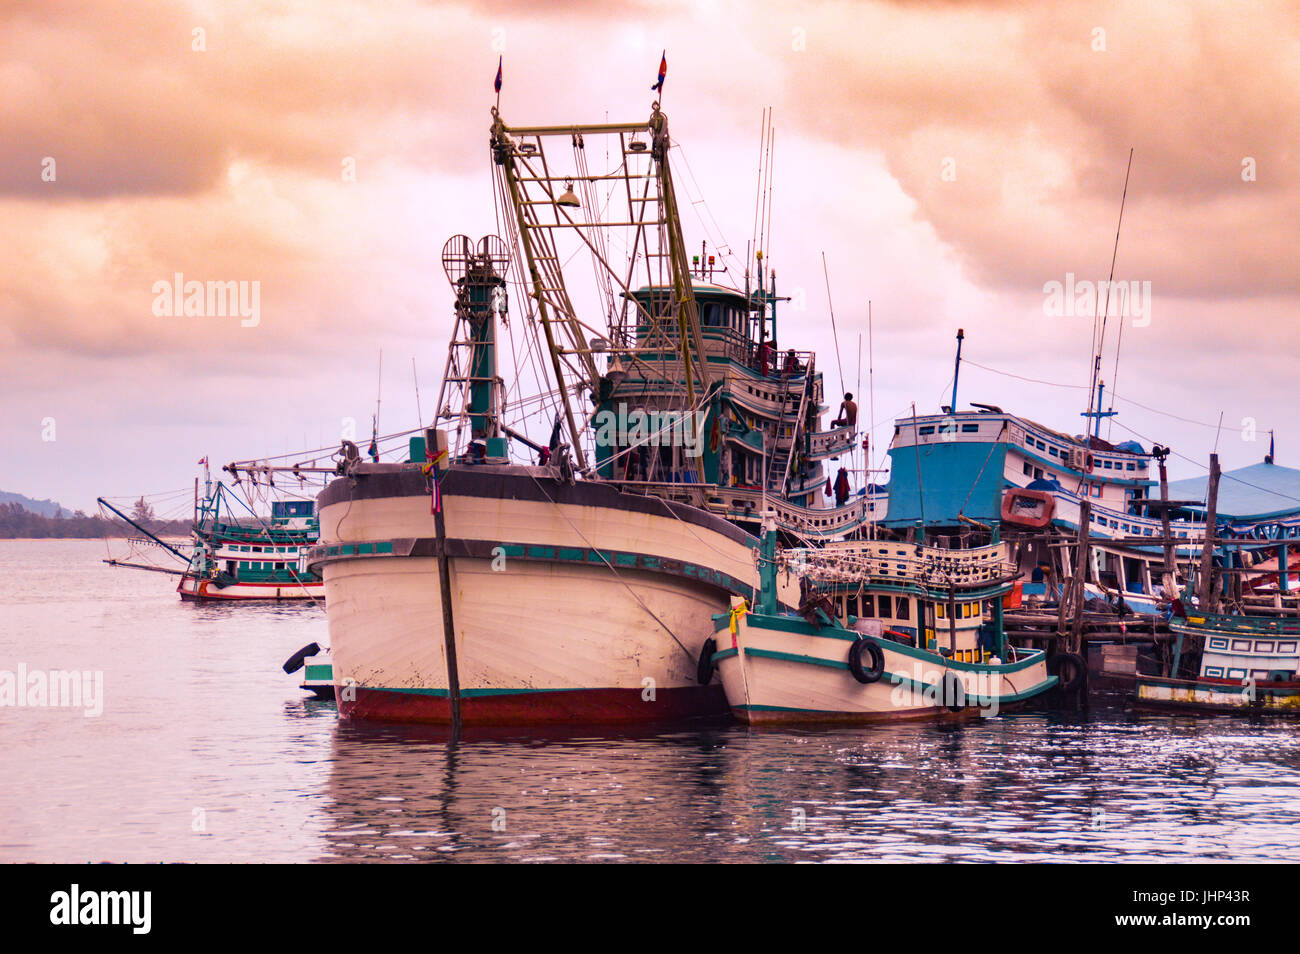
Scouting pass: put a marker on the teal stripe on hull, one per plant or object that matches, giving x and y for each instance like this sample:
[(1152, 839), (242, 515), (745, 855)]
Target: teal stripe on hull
[(894, 678), (796, 624)]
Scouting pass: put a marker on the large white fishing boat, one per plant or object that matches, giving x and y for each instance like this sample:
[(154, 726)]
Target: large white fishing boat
[(527, 580)]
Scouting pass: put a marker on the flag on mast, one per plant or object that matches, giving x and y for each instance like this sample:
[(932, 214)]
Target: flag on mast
[(663, 71), (497, 84)]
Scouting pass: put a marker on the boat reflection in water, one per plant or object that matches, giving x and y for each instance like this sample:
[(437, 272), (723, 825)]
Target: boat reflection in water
[(1023, 787)]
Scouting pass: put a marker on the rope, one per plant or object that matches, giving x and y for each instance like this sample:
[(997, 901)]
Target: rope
[(598, 552)]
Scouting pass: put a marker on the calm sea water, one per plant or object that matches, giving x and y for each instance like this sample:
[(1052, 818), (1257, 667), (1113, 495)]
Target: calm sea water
[(205, 751)]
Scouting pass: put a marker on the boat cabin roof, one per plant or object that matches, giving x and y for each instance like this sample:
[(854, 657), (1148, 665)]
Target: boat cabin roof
[(701, 289)]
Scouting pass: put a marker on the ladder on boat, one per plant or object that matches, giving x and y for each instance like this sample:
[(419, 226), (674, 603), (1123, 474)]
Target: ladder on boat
[(780, 460)]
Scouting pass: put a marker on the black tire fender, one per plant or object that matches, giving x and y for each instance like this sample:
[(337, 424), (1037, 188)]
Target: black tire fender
[(296, 661), (952, 692), (866, 674), (704, 669)]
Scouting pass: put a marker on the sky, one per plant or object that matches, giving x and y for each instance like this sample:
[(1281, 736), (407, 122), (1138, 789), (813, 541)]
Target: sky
[(951, 160)]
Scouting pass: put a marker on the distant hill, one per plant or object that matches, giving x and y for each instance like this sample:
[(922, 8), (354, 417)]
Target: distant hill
[(46, 508)]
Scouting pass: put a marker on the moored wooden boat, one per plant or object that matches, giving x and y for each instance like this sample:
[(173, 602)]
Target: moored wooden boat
[(816, 667), (1245, 665)]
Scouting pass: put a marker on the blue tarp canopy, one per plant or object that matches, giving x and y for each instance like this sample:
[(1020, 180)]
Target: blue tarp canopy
[(1257, 492)]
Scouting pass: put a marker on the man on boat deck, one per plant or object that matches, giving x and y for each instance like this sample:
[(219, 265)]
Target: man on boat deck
[(848, 413), (792, 365)]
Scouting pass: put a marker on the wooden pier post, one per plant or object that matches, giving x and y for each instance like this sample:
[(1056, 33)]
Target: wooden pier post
[(1161, 454), (1082, 562), (1205, 582)]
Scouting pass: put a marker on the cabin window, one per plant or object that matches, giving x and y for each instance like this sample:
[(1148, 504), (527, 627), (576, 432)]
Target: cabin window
[(882, 607), (868, 605), (710, 315), (1040, 445), (1028, 468), (940, 611), (969, 428), (1053, 451), (904, 608), (927, 430)]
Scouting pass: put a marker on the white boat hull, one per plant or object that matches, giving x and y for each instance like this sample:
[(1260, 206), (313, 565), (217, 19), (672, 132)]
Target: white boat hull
[(784, 670), (546, 630)]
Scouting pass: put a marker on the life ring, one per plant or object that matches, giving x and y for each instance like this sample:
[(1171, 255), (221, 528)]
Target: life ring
[(866, 674), (952, 691), (1069, 669), (704, 669)]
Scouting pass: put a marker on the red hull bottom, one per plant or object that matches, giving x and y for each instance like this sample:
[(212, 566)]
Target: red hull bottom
[(209, 598), (562, 707)]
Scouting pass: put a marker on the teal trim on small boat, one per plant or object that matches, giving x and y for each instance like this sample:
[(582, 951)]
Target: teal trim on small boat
[(795, 624), (895, 678), (796, 658)]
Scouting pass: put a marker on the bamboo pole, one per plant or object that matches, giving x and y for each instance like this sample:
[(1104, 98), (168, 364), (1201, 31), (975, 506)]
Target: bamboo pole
[(1081, 574), (1205, 583)]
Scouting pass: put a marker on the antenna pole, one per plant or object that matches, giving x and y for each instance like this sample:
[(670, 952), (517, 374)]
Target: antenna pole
[(1105, 314), (956, 371), (379, 389), (416, 377)]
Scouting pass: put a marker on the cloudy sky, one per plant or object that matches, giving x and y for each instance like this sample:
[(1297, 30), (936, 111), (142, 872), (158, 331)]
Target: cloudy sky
[(950, 160)]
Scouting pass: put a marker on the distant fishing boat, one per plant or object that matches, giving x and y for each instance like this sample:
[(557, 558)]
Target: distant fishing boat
[(253, 558), (888, 631)]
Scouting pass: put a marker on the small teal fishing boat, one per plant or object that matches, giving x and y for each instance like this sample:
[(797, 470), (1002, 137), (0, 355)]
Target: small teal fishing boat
[(887, 631)]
